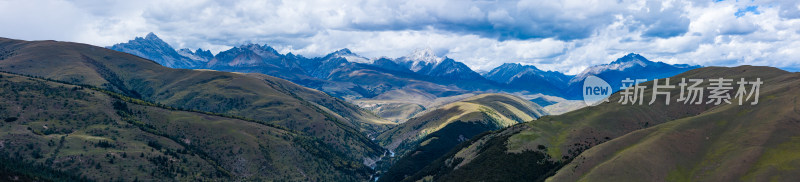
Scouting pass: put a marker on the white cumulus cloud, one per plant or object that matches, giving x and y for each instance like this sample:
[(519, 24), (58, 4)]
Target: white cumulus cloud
[(565, 36)]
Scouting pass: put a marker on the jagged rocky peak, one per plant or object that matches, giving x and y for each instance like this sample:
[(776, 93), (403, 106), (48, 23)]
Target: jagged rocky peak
[(204, 52), (510, 69), (262, 50), (151, 36), (254, 46), (153, 48), (344, 51), (522, 75), (199, 54), (632, 58), (519, 66)]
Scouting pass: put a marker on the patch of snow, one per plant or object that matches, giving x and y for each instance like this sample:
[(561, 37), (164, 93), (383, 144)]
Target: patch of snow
[(191, 55), (595, 70), (357, 59)]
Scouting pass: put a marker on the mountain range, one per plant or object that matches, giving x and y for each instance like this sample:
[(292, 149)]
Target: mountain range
[(530, 78), (393, 85), (153, 48)]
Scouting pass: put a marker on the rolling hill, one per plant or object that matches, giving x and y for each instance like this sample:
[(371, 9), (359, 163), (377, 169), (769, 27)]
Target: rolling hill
[(727, 143), (430, 135), (642, 142), (53, 131), (265, 99)]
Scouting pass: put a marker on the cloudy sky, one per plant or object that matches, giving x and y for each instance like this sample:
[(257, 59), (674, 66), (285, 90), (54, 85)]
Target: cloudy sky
[(565, 36)]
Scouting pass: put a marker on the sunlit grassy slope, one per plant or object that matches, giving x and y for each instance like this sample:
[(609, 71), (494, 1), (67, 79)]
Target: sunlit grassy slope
[(500, 110), (727, 143), (536, 150), (425, 138)]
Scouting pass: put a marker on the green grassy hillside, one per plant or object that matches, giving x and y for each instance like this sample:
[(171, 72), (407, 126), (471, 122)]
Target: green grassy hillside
[(427, 137), (60, 132), (535, 150), (497, 109), (265, 99), (727, 143)]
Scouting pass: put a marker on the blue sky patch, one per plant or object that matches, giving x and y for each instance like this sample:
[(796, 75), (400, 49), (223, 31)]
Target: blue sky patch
[(742, 12)]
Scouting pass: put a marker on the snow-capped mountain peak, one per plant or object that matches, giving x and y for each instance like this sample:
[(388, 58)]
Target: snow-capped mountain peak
[(424, 55), (631, 59), (623, 63), (419, 59), (634, 64), (350, 56)]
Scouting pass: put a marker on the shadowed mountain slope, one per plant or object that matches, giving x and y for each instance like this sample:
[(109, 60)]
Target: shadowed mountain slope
[(53, 131), (425, 138)]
